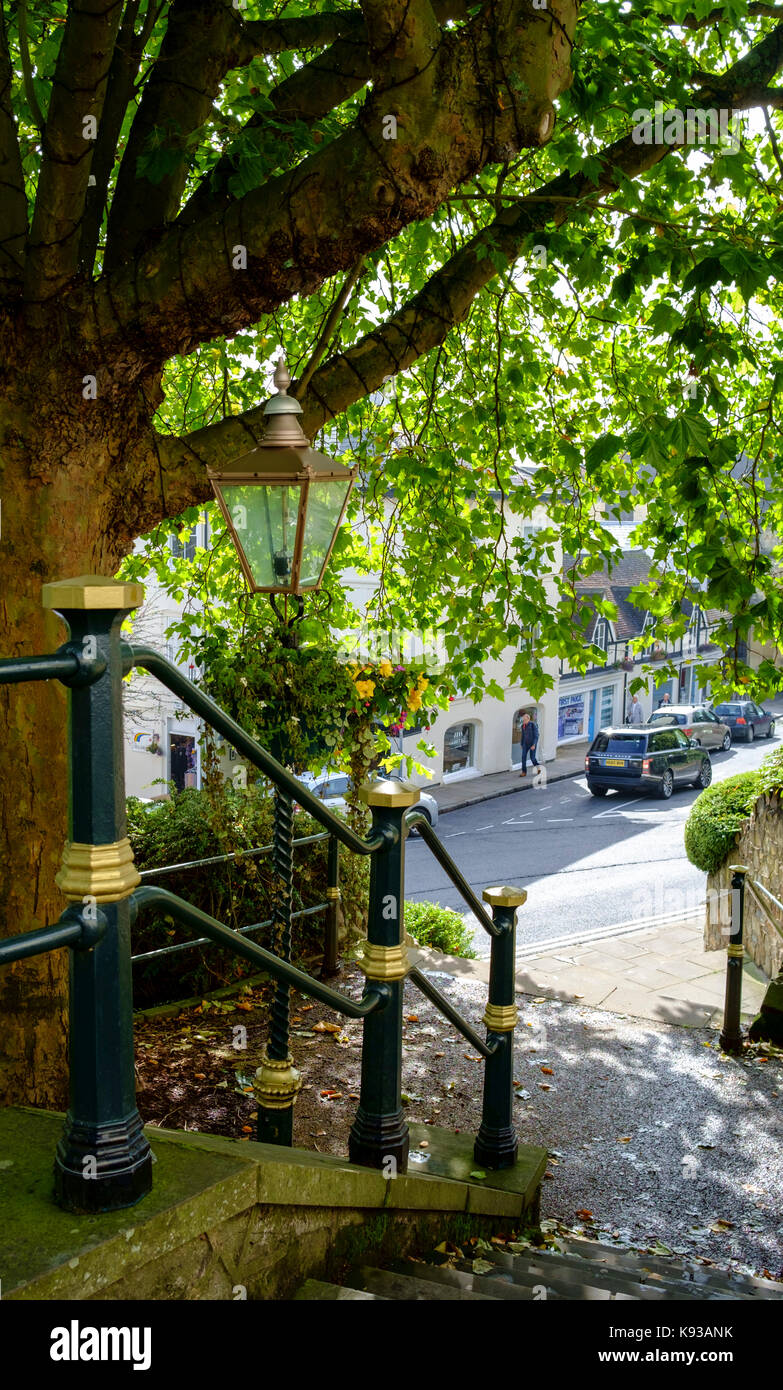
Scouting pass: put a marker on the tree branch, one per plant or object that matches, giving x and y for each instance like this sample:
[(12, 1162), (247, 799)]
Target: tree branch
[(403, 35), (78, 90), (13, 200), (288, 236), (124, 69), (332, 319), (177, 99), (425, 320), (307, 95)]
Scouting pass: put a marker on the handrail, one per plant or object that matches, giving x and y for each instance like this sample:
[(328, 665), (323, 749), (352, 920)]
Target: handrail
[(755, 886), (440, 1001), (376, 995), (59, 665), (224, 858), (420, 820), (206, 708), (35, 943)]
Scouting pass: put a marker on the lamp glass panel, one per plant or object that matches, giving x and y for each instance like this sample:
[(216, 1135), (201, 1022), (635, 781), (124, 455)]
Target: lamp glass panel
[(264, 517), (324, 505)]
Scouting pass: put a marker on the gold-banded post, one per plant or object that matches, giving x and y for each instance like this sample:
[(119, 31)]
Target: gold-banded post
[(496, 1142), (103, 1159), (379, 1135)]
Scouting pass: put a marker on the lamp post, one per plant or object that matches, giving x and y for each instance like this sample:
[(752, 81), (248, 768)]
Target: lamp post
[(282, 503)]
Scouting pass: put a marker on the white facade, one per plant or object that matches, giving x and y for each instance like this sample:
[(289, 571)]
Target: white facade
[(161, 734)]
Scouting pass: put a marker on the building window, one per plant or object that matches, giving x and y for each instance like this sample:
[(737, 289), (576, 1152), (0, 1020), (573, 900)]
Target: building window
[(601, 634), (571, 716), (458, 748), (184, 550), (607, 706)]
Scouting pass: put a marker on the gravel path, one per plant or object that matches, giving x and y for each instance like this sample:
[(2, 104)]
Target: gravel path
[(653, 1135)]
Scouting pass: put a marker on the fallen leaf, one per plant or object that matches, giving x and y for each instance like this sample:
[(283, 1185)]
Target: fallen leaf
[(720, 1226), (547, 1071), (246, 1008), (476, 1174), (624, 1139), (424, 1143), (482, 1266), (327, 1028), (199, 1076), (543, 1086), (412, 1018), (585, 1215)]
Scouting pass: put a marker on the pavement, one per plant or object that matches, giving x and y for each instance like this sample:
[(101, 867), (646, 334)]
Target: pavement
[(661, 973), (568, 762)]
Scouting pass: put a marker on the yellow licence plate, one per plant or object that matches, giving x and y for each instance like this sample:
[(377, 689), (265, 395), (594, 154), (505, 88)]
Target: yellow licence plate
[(615, 762)]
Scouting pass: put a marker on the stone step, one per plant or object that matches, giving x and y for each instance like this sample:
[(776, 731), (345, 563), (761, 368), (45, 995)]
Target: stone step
[(566, 1271), (582, 1270), (405, 1286), (316, 1291), (690, 1271)]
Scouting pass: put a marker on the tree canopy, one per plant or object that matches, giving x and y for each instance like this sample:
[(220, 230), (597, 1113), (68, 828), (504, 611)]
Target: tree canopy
[(603, 305)]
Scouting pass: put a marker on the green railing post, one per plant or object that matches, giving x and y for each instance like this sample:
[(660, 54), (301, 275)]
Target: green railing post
[(497, 1142), (731, 1039), (103, 1160), (331, 960), (277, 1081), (379, 1135)]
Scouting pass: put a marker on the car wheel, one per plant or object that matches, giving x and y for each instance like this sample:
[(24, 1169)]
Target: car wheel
[(666, 785), (596, 791), (705, 775), (726, 744), (751, 733)]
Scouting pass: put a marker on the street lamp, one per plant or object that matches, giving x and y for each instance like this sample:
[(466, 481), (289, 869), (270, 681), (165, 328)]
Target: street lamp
[(283, 502)]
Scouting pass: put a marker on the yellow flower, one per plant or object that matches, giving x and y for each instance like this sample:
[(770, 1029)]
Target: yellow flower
[(422, 684), (414, 700), (385, 668), (365, 689)]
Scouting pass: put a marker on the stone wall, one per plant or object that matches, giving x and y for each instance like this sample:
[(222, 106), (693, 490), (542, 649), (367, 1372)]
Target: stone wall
[(759, 845), (232, 1219)]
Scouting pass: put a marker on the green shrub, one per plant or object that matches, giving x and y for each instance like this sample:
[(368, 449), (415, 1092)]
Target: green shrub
[(193, 825), (770, 774), (715, 818), (441, 927)]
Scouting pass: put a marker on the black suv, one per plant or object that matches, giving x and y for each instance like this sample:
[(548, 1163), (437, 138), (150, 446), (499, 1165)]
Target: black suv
[(645, 759), (746, 720)]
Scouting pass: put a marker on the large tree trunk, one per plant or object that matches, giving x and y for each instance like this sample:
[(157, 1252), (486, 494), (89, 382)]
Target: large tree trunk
[(54, 526)]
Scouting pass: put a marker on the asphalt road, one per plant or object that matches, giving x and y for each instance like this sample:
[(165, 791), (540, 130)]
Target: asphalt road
[(587, 863)]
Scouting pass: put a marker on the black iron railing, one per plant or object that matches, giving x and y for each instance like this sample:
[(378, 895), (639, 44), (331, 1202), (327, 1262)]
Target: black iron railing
[(732, 1038), (103, 1160), (331, 962)]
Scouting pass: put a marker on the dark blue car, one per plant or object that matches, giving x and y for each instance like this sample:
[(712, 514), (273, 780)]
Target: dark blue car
[(746, 720)]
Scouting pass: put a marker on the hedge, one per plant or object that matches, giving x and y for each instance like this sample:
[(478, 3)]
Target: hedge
[(720, 811), (716, 816), (191, 826), (440, 927)]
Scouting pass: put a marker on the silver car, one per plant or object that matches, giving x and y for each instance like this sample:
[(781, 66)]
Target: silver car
[(697, 722), (332, 788)]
